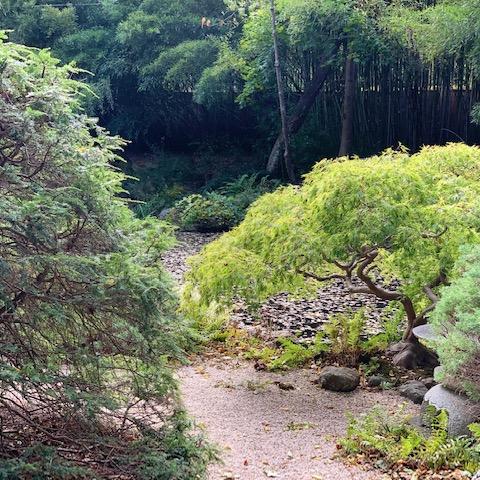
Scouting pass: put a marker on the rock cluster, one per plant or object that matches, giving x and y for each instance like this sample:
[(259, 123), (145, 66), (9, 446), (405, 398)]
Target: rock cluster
[(306, 317)]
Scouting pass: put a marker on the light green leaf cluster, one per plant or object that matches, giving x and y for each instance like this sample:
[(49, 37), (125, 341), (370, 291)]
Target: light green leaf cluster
[(417, 210), (181, 67)]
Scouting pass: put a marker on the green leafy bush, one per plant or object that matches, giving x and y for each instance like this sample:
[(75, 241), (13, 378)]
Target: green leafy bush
[(457, 321), (342, 342), (209, 213), (88, 314), (398, 215), (222, 209), (397, 441), (289, 354), (345, 337)]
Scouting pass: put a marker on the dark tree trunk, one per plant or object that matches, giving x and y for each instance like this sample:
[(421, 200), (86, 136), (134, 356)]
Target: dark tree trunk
[(300, 111), (281, 98), (348, 108)]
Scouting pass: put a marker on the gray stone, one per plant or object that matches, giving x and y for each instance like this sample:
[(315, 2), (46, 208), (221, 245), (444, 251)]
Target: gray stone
[(339, 379), (376, 380), (411, 355), (425, 332), (414, 390), (461, 411), (164, 213)]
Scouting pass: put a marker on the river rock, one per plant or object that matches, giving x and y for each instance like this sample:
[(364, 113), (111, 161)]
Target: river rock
[(339, 379), (461, 411), (414, 390), (376, 380)]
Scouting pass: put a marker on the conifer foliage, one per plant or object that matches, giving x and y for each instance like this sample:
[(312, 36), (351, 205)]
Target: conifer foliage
[(86, 312)]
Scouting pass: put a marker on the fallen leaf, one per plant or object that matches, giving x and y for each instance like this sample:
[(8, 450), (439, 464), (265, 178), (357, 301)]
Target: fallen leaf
[(270, 474)]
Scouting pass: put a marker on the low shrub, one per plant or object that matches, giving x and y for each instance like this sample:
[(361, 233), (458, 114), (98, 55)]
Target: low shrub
[(457, 322), (210, 213), (342, 342), (391, 440), (289, 354), (222, 209), (344, 333)]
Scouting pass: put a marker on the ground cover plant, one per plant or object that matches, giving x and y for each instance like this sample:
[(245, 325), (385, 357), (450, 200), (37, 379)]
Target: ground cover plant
[(87, 312), (392, 443)]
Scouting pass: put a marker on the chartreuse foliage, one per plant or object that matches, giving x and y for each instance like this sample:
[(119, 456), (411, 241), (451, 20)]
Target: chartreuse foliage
[(397, 441), (402, 215), (87, 313), (457, 322)]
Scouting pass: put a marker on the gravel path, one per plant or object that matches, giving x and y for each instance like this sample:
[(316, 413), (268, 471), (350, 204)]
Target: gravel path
[(266, 432)]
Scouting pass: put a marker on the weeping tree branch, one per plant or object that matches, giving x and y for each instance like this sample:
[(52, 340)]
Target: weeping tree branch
[(365, 263)]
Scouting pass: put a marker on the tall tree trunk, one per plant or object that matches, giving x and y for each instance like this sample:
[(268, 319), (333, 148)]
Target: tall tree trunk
[(348, 108), (281, 97), (301, 110)]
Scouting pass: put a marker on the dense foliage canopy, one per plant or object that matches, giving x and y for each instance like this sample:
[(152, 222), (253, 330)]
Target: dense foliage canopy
[(392, 216), (456, 320)]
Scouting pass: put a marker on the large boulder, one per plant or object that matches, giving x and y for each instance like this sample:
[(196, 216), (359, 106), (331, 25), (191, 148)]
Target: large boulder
[(339, 379), (461, 411), (414, 390)]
